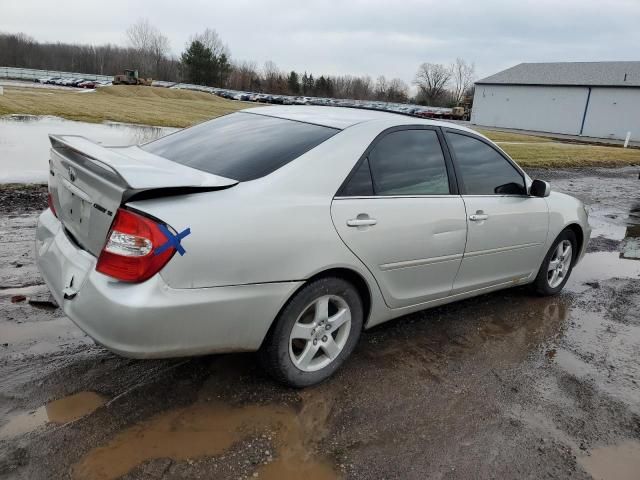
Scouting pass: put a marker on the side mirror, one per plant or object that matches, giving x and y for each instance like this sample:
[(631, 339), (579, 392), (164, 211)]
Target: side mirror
[(540, 188)]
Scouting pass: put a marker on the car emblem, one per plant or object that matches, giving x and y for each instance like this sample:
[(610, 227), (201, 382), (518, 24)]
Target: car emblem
[(72, 174)]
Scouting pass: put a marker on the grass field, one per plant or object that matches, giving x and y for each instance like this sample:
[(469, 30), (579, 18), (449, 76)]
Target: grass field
[(498, 136), (541, 152), (145, 105), (557, 154), (181, 108)]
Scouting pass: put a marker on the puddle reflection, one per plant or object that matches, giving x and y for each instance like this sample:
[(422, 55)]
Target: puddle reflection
[(24, 142), (209, 429), (631, 242), (60, 411), (615, 462), (600, 266)]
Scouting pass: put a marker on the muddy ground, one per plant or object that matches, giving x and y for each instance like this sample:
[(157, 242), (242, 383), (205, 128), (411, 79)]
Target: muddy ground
[(507, 385)]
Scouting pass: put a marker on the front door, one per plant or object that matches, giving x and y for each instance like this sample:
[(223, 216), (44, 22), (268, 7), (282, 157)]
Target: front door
[(507, 228), (401, 215)]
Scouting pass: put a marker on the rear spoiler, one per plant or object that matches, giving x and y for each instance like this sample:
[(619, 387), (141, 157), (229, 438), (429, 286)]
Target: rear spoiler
[(137, 170)]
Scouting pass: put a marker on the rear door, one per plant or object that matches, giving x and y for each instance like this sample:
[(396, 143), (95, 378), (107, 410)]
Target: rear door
[(400, 213), (506, 228)]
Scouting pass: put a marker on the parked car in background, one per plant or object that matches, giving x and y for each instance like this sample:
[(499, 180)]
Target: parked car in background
[(87, 84)]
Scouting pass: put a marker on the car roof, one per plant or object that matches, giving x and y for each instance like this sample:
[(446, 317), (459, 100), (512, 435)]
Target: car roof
[(342, 117)]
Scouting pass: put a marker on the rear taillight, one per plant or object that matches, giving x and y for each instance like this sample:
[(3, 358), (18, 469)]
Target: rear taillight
[(130, 252), (50, 203)]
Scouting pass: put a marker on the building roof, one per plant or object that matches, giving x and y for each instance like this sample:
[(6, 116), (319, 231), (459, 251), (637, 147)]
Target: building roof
[(600, 74)]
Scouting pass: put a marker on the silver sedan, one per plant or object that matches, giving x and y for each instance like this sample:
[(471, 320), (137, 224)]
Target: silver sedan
[(287, 230)]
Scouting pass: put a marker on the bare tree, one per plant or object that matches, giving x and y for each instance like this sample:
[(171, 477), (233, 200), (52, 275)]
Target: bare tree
[(244, 76), (210, 39), (397, 91), (432, 80), (380, 90), (361, 88), (151, 45), (273, 78), (462, 79)]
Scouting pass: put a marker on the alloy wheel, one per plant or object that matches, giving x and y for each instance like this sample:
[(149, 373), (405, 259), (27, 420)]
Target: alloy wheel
[(320, 333), (560, 264)]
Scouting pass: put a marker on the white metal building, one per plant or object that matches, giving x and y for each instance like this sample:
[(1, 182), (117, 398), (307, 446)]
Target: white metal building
[(593, 99)]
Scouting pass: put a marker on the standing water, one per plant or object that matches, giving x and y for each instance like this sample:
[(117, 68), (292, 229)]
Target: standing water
[(24, 142)]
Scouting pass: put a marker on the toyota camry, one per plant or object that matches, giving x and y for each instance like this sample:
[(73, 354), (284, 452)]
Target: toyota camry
[(288, 230)]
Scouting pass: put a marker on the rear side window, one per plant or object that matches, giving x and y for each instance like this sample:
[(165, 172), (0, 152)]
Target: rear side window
[(360, 183), (241, 146), (409, 162), (484, 171)]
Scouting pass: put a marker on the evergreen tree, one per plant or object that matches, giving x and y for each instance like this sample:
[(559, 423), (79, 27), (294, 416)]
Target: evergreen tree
[(199, 63), (330, 87), (293, 83), (223, 70), (321, 86), (310, 85)]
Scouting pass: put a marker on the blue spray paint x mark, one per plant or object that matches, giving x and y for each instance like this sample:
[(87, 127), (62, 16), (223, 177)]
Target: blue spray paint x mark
[(172, 240)]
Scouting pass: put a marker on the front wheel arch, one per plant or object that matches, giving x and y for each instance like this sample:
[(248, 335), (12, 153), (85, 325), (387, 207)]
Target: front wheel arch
[(579, 233), (540, 283)]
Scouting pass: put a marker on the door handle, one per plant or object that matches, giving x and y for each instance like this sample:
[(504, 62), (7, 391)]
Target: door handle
[(363, 220), (478, 217)]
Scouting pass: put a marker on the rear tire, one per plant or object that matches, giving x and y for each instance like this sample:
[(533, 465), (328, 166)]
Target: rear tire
[(314, 333), (557, 264)]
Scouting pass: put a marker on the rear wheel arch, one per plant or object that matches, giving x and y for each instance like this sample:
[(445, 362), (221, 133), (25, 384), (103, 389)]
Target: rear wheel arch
[(350, 275), (353, 277), (314, 334)]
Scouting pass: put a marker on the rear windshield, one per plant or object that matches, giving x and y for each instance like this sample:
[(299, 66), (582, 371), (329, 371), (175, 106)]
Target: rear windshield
[(241, 146)]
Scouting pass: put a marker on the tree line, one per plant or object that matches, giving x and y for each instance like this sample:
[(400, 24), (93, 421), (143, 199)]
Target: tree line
[(206, 60)]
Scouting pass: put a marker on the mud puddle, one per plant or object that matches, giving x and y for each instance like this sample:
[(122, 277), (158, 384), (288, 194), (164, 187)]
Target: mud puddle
[(210, 429), (33, 332), (24, 142), (505, 385), (600, 266), (616, 462), (631, 242), (60, 411)]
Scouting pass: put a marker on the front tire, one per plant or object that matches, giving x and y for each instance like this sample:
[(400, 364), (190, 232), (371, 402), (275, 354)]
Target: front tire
[(557, 264), (314, 333)]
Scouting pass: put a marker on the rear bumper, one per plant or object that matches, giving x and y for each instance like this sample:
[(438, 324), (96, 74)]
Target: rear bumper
[(150, 319)]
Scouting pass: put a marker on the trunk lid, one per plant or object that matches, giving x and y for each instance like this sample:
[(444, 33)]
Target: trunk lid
[(88, 182)]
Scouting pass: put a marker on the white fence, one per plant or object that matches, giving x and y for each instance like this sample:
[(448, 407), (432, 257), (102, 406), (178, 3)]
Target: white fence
[(32, 74)]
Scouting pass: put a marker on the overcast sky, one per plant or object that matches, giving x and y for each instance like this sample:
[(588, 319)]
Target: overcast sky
[(371, 37)]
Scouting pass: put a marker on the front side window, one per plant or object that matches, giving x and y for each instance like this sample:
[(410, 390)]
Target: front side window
[(483, 170), (241, 146), (409, 162)]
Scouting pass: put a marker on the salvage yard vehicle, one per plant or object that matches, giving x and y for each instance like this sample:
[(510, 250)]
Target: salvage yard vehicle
[(131, 77), (287, 230)]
